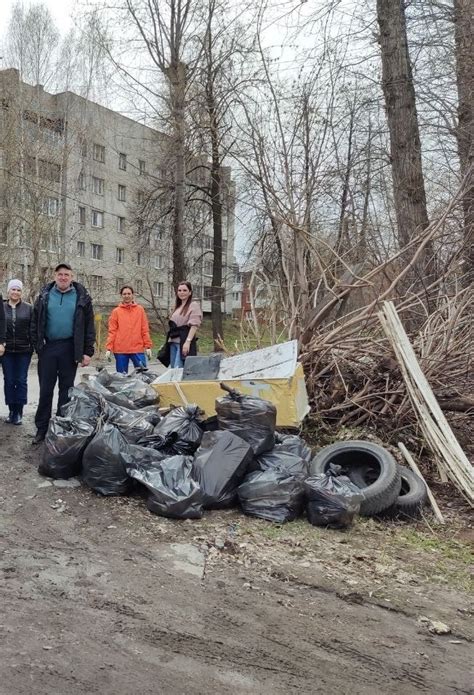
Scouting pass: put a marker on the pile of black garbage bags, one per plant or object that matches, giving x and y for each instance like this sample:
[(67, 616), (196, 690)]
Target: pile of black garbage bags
[(111, 434)]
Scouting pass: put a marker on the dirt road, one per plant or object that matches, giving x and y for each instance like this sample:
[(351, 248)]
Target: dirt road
[(100, 596)]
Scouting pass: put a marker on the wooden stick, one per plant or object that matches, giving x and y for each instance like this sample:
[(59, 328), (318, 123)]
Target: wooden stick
[(409, 459)]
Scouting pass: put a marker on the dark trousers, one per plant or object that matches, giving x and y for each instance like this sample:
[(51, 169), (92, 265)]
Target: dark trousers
[(55, 363), (15, 377)]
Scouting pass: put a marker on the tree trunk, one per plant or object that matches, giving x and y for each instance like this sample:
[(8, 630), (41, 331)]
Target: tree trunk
[(216, 206), (464, 38), (405, 146), (176, 74)]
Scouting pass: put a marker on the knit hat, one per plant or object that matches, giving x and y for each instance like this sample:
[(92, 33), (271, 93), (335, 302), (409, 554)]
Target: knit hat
[(15, 285)]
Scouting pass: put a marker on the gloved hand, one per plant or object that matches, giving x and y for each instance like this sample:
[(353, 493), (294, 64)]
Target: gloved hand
[(148, 353), (107, 355)]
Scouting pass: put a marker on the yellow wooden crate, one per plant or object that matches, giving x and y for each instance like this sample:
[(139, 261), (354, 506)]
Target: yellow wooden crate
[(288, 394)]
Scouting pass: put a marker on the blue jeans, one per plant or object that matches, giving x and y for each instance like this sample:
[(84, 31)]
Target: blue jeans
[(15, 377), (175, 356), (121, 361)]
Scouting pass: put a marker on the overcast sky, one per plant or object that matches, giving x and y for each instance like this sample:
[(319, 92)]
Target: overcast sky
[(60, 9)]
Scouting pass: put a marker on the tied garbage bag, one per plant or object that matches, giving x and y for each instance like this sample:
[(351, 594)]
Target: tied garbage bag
[(219, 466), (249, 417), (64, 445), (293, 444), (185, 422), (96, 386), (272, 495), (173, 491), (103, 467), (284, 461), (145, 375), (133, 388), (83, 404), (159, 442), (332, 500), (133, 424)]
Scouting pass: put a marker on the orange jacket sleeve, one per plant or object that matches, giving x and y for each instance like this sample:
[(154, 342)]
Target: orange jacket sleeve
[(145, 331), (113, 327)]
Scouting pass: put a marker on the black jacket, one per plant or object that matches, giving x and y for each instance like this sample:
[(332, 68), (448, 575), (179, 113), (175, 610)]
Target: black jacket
[(181, 332), (2, 322), (18, 334), (84, 328)]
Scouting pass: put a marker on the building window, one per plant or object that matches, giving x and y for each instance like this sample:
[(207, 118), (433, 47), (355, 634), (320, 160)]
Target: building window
[(96, 283), (140, 258), (97, 218), (207, 292), (120, 224), (208, 267), (140, 197), (83, 147), (99, 153), (98, 185), (224, 245), (208, 241), (158, 288), (51, 207), (119, 283), (120, 255), (139, 286), (122, 192), (82, 214), (141, 167), (158, 233), (81, 181), (97, 252), (158, 262), (122, 161), (81, 248)]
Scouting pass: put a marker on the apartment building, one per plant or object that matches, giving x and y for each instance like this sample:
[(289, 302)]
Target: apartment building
[(82, 183)]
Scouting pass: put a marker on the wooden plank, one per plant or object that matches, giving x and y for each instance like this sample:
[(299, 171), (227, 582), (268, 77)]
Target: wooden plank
[(409, 459)]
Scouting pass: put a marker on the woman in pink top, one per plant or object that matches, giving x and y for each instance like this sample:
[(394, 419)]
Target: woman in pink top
[(184, 323)]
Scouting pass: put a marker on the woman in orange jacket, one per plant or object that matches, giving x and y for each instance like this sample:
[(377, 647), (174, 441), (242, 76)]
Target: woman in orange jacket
[(129, 334)]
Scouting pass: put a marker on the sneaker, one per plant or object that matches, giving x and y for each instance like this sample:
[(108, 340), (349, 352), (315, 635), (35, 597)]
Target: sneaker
[(16, 418)]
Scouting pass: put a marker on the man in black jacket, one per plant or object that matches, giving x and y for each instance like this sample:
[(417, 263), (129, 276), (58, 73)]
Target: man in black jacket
[(2, 327), (63, 335)]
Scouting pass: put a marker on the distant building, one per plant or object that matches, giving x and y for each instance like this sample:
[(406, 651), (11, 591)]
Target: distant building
[(85, 184)]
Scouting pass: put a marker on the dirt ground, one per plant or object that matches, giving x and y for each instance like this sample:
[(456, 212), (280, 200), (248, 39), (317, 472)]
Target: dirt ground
[(100, 596)]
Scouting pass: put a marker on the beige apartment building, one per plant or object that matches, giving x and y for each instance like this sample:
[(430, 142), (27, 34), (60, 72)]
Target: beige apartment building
[(84, 184)]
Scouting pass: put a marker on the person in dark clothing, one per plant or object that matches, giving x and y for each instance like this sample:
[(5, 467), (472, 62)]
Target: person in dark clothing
[(63, 335), (2, 327), (18, 351)]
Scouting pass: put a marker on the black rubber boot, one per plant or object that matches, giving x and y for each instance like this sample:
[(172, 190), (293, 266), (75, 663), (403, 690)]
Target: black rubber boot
[(10, 416)]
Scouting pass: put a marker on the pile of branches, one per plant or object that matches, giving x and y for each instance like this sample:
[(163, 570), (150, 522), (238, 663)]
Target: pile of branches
[(352, 375), (353, 378)]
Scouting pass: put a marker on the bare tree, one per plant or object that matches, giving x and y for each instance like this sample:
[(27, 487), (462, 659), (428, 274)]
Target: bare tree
[(400, 103), (464, 38)]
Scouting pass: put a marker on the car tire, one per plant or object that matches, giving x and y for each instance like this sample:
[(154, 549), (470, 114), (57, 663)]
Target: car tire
[(356, 455), (412, 497)]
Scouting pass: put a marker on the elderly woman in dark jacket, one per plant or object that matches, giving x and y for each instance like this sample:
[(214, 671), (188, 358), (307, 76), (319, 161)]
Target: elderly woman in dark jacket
[(18, 351)]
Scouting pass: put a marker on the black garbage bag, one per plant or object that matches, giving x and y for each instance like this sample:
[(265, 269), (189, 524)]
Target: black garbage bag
[(272, 495), (84, 404), (96, 386), (220, 465), (249, 417), (133, 424), (145, 375), (186, 423), (132, 387), (103, 467), (142, 459), (64, 445), (284, 461), (160, 442), (173, 491), (331, 500), (293, 444)]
